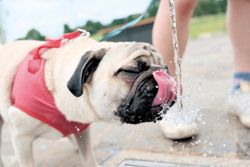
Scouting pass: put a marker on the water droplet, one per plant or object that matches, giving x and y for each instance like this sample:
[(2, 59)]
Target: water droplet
[(214, 158), (171, 148), (212, 97), (77, 128), (199, 117), (199, 86), (177, 72), (204, 148), (211, 143), (203, 122), (204, 154)]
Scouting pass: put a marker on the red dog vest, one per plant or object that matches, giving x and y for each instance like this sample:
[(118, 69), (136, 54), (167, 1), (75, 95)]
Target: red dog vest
[(31, 95)]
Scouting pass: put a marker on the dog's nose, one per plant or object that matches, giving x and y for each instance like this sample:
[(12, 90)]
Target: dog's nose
[(167, 88)]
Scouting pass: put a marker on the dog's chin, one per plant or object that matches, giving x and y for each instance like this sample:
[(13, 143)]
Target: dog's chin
[(137, 107), (152, 115)]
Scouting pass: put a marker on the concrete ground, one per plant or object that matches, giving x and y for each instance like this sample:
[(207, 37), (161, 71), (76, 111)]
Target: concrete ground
[(222, 140)]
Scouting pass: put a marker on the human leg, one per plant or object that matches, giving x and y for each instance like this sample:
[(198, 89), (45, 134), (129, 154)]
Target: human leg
[(238, 29), (238, 24), (162, 33)]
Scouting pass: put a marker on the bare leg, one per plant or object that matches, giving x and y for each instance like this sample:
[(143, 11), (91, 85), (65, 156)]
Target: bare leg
[(238, 23), (85, 146), (1, 125), (162, 33)]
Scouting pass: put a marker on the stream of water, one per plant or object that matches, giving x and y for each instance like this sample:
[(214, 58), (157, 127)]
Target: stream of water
[(177, 59)]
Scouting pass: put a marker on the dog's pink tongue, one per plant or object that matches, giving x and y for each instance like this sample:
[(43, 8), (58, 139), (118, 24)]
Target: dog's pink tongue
[(167, 88)]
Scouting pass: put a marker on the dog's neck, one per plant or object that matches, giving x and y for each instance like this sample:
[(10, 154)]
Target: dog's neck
[(58, 70), (77, 109)]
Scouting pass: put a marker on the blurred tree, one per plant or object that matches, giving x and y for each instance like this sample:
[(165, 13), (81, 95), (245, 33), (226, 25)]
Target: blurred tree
[(118, 22), (206, 7), (90, 26), (153, 10), (33, 34), (223, 5), (132, 17), (67, 29), (93, 27)]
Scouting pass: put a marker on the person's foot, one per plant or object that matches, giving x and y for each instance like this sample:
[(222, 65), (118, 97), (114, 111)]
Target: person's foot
[(239, 103), (178, 131)]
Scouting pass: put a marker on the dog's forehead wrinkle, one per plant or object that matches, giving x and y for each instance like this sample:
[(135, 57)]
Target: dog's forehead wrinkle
[(141, 56), (149, 47), (157, 59), (139, 53)]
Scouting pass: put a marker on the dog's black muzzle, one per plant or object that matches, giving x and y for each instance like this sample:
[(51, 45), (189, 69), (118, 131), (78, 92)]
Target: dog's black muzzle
[(137, 107)]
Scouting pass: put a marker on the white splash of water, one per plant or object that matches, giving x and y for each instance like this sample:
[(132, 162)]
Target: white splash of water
[(187, 116)]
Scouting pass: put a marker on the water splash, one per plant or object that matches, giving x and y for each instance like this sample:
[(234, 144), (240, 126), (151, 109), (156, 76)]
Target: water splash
[(187, 116)]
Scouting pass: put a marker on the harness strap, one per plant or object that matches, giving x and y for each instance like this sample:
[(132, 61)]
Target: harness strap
[(119, 30), (35, 62), (55, 43)]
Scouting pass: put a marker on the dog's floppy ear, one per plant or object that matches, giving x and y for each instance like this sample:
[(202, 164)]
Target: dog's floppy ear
[(84, 71)]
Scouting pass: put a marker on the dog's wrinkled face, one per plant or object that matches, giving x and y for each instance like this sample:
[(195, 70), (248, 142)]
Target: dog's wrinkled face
[(119, 82)]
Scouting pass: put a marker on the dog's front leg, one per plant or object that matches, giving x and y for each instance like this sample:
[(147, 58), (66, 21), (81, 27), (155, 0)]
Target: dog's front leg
[(1, 125), (23, 148), (85, 147), (22, 128)]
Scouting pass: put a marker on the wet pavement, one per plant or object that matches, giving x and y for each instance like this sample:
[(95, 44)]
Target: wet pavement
[(222, 140)]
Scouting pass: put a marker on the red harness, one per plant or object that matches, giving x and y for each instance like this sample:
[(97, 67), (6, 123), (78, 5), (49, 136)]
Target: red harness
[(31, 95)]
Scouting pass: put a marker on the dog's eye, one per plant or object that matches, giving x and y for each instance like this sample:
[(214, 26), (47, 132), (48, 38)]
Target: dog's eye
[(132, 71), (128, 71), (141, 66)]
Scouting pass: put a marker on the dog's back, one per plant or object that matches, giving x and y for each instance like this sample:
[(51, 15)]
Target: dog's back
[(10, 56)]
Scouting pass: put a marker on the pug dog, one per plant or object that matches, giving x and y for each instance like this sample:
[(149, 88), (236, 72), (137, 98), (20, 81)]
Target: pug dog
[(89, 81)]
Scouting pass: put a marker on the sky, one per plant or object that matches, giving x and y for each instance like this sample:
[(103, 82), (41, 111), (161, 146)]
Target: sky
[(49, 16)]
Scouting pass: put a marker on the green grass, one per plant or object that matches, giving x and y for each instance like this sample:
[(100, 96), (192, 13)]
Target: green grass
[(96, 37), (207, 24)]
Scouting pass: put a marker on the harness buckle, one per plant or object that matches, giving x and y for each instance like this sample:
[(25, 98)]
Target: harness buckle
[(64, 41), (83, 32)]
